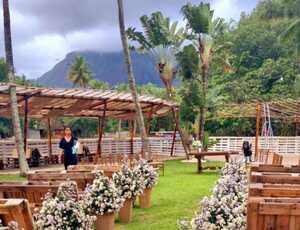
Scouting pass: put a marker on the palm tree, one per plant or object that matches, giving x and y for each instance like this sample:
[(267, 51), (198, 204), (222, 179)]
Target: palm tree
[(131, 81), (79, 73), (162, 40), (200, 21), (12, 90)]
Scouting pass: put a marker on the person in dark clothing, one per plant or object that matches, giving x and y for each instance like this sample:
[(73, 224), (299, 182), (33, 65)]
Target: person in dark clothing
[(68, 146), (247, 149)]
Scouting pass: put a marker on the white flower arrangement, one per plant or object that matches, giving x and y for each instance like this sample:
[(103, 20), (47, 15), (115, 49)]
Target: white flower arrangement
[(128, 182), (197, 144), (226, 207), (63, 212), (147, 173), (102, 196), (12, 225)]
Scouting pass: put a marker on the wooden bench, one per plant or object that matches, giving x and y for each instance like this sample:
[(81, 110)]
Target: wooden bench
[(273, 213), (33, 192), (108, 170), (16, 210), (274, 168), (81, 178), (274, 178), (274, 190)]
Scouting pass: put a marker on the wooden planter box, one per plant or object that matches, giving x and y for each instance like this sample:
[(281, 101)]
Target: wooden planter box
[(274, 178), (274, 190), (273, 213)]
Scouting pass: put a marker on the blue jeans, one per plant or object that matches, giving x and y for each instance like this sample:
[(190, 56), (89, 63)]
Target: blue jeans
[(248, 159)]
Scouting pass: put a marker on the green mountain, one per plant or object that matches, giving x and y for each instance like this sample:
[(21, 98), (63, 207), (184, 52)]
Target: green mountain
[(107, 67)]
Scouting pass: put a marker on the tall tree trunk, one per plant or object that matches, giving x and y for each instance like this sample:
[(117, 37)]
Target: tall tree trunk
[(169, 95), (12, 90), (204, 74), (131, 81)]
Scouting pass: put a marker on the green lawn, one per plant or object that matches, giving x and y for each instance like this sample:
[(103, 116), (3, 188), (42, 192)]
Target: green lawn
[(176, 196)]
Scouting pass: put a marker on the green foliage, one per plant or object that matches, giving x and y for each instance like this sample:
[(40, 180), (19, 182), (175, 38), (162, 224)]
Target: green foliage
[(189, 63), (79, 73), (97, 84), (158, 31), (3, 71), (199, 17)]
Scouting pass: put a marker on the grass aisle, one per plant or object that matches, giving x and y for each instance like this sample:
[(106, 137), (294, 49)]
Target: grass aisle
[(177, 195)]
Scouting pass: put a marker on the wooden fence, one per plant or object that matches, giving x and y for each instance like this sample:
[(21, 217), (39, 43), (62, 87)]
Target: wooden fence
[(281, 145), (161, 145)]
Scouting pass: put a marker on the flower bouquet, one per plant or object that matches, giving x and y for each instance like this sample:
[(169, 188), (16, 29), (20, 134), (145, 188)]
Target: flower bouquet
[(130, 186), (63, 212), (103, 199), (149, 179)]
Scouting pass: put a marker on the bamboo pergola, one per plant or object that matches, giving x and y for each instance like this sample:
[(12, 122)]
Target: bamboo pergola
[(48, 103), (283, 109)]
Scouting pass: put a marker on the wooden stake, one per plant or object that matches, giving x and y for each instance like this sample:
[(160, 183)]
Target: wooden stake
[(25, 124), (296, 127), (49, 138), (258, 124), (101, 125)]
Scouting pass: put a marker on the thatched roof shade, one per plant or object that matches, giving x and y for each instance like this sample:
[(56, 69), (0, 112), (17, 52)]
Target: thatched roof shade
[(287, 109), (76, 102)]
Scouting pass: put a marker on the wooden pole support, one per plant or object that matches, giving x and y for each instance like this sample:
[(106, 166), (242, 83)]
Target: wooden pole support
[(173, 140), (49, 138), (25, 124), (132, 124), (258, 124), (101, 125)]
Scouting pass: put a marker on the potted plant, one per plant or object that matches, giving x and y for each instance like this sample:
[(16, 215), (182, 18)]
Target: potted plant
[(130, 187), (63, 211), (103, 199), (150, 177)]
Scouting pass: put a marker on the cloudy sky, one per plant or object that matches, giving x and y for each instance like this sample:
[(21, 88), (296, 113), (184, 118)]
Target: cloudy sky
[(44, 31)]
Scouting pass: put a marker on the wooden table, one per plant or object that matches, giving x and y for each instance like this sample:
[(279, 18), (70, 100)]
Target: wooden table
[(200, 155)]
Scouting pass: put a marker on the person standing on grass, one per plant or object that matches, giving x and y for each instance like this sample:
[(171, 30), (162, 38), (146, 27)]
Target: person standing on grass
[(69, 146), (247, 149)]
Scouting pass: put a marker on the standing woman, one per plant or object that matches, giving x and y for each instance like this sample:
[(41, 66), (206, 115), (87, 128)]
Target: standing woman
[(68, 144)]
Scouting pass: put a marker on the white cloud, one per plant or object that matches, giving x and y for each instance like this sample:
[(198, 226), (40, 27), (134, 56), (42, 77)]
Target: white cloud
[(45, 31)]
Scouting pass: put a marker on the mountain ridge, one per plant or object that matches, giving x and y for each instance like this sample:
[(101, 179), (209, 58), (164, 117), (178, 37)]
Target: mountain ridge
[(108, 67)]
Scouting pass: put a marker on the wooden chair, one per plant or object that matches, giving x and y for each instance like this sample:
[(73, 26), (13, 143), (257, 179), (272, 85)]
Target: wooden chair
[(16, 210)]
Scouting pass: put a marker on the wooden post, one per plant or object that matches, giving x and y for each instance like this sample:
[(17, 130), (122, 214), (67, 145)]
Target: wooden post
[(131, 136), (49, 138), (176, 120), (296, 127), (101, 125), (258, 124), (149, 121), (174, 139), (25, 124)]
